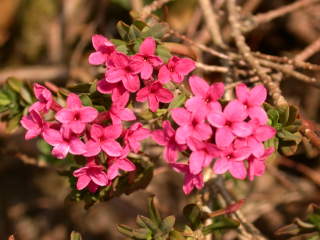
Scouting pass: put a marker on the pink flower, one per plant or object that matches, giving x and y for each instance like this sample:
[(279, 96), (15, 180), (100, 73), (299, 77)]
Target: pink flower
[(104, 48), (154, 93), (176, 69), (229, 123), (45, 101), (191, 125), (166, 137), (255, 141), (124, 70), (202, 154), (76, 116), (253, 99), (205, 96), (133, 135), (146, 59), (34, 124), (119, 163), (115, 89), (256, 164), (63, 141), (191, 181), (232, 160), (105, 139), (118, 112), (91, 176)]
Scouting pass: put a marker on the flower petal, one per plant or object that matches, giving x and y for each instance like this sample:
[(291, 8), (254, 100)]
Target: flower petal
[(148, 46), (181, 116), (199, 86), (196, 162), (235, 111), (257, 95), (224, 137)]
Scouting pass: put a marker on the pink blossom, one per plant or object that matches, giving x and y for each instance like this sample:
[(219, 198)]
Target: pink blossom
[(201, 155), (145, 58), (257, 164), (166, 137), (76, 116), (191, 181), (118, 112), (34, 124), (205, 96), (253, 99), (190, 125), (229, 123), (133, 135), (104, 48), (91, 176), (45, 101), (119, 163), (255, 141), (176, 69), (63, 141), (154, 93), (115, 89), (232, 160), (124, 70), (105, 139)]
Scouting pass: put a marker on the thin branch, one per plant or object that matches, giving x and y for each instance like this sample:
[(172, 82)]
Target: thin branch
[(212, 22), (245, 51), (310, 50), (286, 69), (279, 12), (147, 10), (136, 5), (211, 68), (34, 73)]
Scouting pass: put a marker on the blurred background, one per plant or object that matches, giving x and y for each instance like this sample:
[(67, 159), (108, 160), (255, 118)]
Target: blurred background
[(50, 40)]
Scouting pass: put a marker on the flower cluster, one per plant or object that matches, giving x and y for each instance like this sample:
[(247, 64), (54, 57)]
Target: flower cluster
[(205, 129), (232, 133), (82, 130)]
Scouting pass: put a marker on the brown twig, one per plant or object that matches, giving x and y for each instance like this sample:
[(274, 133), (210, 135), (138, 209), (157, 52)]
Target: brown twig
[(309, 130), (245, 51), (305, 170), (137, 5), (147, 10), (211, 68), (309, 51), (212, 22), (279, 12), (34, 73)]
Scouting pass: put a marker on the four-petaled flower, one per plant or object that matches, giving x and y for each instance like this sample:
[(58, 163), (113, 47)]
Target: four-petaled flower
[(75, 116), (176, 69), (104, 48), (34, 124), (133, 135), (91, 176), (145, 58), (154, 93), (119, 163)]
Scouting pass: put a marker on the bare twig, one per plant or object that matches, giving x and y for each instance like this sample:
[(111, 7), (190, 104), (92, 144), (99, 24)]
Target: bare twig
[(34, 73), (211, 68), (137, 5), (212, 22), (269, 16), (309, 130), (245, 51), (147, 10), (309, 51)]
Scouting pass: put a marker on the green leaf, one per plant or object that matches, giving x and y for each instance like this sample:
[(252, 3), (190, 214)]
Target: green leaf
[(139, 24), (14, 122), (156, 31), (142, 233), (293, 114), (177, 101), (315, 220), (163, 53), (4, 99), (161, 112), (75, 236), (125, 230), (288, 136), (26, 95), (153, 211), (123, 30), (273, 116), (291, 229), (133, 33), (222, 223), (85, 99), (168, 224), (150, 223), (121, 45), (193, 213), (43, 147), (175, 235), (80, 88), (284, 113), (15, 84)]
